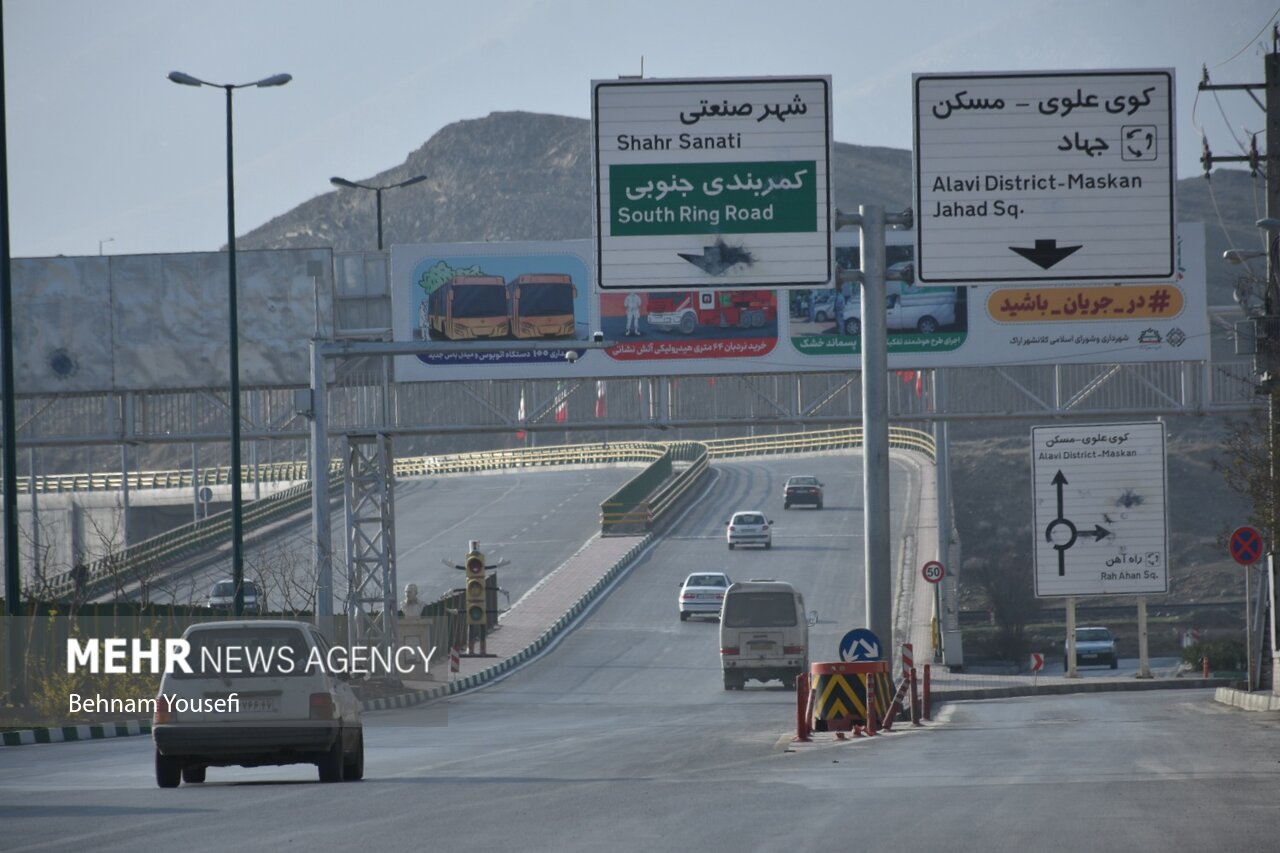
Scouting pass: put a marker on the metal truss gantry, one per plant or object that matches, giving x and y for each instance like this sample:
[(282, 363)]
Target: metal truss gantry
[(371, 563)]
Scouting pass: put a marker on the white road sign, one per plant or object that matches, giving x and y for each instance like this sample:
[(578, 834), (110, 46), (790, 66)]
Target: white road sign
[(1099, 496), (713, 183), (1061, 176)]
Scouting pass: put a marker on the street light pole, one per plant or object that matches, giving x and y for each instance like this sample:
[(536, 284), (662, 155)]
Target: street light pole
[(100, 242), (237, 498), (343, 182)]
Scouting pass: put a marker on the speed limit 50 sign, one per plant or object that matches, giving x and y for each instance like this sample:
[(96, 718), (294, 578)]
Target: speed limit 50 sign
[(933, 571)]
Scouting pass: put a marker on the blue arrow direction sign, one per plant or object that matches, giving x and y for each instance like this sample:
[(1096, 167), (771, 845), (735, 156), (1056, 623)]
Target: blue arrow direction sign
[(860, 645)]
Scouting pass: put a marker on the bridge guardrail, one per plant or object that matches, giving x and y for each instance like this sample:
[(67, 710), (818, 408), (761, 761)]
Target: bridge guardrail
[(643, 500), (637, 512)]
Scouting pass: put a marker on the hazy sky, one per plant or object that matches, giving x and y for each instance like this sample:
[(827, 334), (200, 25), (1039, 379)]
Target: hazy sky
[(101, 147)]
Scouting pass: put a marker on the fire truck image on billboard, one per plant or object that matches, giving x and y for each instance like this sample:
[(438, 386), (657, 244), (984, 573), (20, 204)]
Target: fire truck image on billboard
[(686, 312)]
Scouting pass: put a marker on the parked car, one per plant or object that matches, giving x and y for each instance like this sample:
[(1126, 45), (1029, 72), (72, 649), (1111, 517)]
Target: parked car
[(823, 305), (908, 307), (1094, 645), (749, 528), (223, 597), (702, 592), (252, 700), (802, 490)]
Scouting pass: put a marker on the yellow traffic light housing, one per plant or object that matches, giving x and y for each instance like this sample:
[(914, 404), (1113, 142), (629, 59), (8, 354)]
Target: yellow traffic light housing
[(477, 610)]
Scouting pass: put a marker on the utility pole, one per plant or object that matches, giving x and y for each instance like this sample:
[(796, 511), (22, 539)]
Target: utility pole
[(1266, 327)]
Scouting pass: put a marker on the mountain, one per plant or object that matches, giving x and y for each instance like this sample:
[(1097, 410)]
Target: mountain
[(527, 176)]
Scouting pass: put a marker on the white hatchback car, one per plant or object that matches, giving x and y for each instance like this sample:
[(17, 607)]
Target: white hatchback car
[(702, 592), (749, 528), (252, 700)]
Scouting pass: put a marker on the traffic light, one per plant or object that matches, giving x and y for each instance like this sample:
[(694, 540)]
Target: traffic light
[(476, 606)]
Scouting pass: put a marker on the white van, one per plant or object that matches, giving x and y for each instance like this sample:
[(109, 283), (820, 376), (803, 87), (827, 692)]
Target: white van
[(764, 633), (908, 306)]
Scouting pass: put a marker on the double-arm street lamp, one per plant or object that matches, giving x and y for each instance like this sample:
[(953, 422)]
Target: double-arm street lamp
[(343, 182), (237, 502)]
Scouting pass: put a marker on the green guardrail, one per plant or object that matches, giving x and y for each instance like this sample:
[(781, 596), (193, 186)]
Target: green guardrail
[(647, 497)]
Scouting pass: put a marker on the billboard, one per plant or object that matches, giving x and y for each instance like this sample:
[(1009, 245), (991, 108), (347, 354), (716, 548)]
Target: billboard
[(754, 329), (159, 322)]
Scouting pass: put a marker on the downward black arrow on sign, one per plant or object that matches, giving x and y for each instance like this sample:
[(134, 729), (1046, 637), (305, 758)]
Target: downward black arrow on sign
[(1045, 254)]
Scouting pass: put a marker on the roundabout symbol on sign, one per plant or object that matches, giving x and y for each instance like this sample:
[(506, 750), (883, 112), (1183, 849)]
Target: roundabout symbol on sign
[(933, 571)]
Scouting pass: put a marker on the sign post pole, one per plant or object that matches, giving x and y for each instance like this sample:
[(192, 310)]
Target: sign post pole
[(1246, 548), (1248, 630), (1144, 667), (1071, 671)]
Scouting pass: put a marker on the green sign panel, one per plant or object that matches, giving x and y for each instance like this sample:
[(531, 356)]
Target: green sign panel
[(718, 198)]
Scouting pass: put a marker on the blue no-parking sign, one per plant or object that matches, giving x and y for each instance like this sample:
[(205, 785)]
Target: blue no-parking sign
[(1246, 545)]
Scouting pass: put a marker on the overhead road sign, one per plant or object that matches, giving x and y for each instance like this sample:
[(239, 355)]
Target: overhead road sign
[(1099, 497), (714, 182), (1051, 176)]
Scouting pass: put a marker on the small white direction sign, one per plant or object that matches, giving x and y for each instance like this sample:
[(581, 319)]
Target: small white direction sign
[(1099, 498), (1050, 176), (712, 183)]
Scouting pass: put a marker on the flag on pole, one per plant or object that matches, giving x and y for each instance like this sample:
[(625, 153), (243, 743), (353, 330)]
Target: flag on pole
[(916, 376), (600, 400), (562, 403), (520, 433)]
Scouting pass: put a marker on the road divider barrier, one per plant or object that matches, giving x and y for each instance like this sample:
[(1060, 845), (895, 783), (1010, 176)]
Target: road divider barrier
[(845, 696)]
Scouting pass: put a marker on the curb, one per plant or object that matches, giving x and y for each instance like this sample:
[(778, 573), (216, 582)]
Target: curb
[(59, 734), (942, 696), (1247, 701)]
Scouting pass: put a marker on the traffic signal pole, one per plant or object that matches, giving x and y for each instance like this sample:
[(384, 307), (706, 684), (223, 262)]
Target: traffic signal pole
[(476, 605)]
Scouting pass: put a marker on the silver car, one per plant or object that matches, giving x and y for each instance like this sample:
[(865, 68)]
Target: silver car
[(223, 596), (749, 528)]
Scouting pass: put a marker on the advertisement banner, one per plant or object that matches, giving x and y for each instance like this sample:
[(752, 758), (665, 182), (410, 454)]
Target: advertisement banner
[(456, 292)]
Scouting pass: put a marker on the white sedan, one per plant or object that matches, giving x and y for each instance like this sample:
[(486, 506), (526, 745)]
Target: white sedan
[(749, 528), (702, 592)]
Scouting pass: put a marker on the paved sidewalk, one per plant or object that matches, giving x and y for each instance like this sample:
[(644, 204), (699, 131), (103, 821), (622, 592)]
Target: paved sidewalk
[(532, 623)]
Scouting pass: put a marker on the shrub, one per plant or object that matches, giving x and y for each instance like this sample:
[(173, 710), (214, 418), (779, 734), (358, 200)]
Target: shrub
[(1223, 654)]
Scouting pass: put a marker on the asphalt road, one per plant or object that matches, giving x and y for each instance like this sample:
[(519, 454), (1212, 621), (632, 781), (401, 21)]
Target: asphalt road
[(621, 737), (534, 519)]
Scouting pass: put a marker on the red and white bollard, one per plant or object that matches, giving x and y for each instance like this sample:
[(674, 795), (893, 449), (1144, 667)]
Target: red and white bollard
[(455, 659), (915, 699), (871, 705), (927, 711), (802, 708)]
